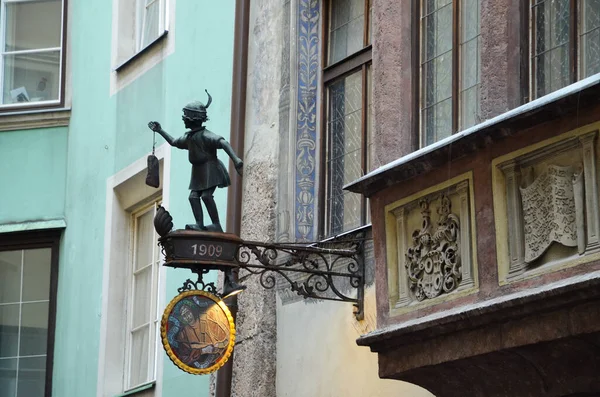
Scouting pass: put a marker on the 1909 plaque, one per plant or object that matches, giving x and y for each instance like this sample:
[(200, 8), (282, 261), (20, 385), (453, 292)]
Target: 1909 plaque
[(186, 248)]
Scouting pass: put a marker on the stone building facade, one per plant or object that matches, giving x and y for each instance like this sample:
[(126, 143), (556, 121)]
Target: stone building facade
[(472, 169)]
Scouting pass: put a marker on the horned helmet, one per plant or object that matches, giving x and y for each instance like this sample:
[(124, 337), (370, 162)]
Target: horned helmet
[(196, 110)]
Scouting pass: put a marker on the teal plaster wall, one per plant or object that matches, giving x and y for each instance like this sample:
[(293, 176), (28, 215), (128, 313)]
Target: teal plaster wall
[(107, 133), (32, 175)]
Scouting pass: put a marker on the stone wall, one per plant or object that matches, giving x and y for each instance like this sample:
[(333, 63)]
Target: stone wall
[(255, 350)]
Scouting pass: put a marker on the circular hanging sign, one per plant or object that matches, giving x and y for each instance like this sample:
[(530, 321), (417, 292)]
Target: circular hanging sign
[(198, 332)]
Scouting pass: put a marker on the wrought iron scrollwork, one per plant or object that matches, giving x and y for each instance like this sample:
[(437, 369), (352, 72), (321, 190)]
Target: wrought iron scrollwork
[(199, 284), (328, 270)]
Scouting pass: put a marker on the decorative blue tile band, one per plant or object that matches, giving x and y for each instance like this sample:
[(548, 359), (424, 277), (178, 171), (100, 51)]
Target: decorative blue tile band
[(306, 133)]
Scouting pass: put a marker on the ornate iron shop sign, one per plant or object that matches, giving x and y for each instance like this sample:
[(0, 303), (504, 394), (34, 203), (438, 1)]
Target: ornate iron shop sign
[(198, 332), (197, 328)]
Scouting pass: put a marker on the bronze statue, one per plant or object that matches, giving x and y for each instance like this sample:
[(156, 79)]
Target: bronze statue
[(208, 172)]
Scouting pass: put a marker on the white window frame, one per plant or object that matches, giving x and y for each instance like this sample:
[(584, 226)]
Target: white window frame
[(3, 54), (126, 192), (129, 59), (154, 331)]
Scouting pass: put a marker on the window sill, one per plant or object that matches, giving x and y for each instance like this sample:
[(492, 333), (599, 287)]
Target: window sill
[(141, 52), (30, 119), (138, 389)]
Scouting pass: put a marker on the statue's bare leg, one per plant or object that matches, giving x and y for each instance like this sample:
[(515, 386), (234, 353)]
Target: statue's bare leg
[(211, 208), (197, 210)]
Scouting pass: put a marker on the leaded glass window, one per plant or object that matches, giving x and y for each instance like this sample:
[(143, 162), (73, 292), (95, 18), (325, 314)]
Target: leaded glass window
[(344, 152), (347, 91), (565, 43), (470, 65), (551, 45), (449, 74), (590, 37)]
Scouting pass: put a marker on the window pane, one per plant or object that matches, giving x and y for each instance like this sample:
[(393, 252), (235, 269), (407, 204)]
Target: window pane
[(31, 77), (36, 274), (9, 330), (139, 357), (33, 25), (344, 157), (142, 297), (144, 239), (437, 121), (34, 329), (436, 70), (590, 37), (32, 377), (430, 6), (8, 379), (437, 32), (151, 23), (10, 276), (551, 20), (346, 28)]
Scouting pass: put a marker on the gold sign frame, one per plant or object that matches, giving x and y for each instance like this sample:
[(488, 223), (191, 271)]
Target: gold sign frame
[(171, 350)]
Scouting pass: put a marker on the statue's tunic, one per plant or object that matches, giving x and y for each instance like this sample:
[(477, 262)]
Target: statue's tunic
[(207, 170)]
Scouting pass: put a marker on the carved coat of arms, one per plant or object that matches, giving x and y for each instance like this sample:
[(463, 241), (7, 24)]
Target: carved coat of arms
[(433, 262)]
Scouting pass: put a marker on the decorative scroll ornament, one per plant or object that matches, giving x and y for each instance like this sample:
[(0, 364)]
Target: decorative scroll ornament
[(549, 213), (433, 262), (329, 272), (198, 332)]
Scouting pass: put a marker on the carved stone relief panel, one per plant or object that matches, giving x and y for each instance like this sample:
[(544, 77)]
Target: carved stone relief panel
[(547, 198), (430, 245)]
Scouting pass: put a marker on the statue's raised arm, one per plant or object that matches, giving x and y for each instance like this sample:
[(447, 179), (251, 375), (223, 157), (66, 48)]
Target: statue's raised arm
[(156, 127)]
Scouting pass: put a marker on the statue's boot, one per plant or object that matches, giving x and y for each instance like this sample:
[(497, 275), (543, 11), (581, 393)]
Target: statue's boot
[(196, 204), (211, 208)]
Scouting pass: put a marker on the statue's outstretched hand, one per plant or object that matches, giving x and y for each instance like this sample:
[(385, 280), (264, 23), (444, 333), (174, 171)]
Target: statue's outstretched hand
[(154, 126), (239, 167)]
